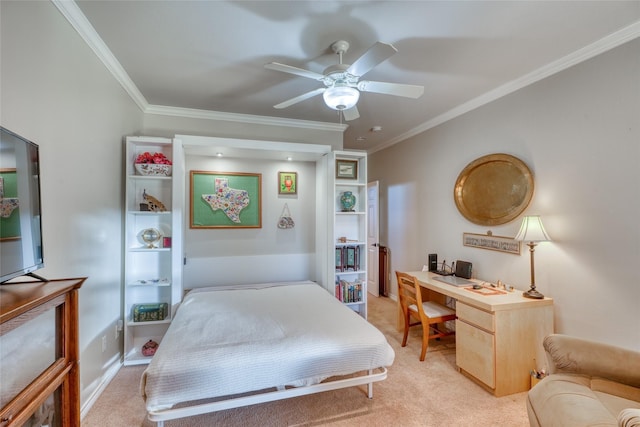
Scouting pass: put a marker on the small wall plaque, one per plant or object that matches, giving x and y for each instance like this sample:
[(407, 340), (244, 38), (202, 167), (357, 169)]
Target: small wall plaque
[(494, 243)]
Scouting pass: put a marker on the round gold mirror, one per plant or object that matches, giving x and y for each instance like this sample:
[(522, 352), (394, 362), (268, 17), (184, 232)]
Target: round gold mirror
[(493, 189)]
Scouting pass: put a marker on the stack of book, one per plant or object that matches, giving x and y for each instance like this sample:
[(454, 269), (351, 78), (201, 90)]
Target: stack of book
[(349, 291)]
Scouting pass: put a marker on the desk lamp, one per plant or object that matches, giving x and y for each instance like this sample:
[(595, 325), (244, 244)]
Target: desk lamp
[(533, 232)]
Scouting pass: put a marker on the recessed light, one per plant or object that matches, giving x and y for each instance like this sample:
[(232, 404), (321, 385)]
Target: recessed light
[(219, 154), (361, 138), (376, 129), (289, 158)]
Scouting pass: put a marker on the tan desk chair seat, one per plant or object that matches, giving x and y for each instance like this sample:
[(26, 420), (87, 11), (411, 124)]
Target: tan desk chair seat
[(429, 313), (434, 309)]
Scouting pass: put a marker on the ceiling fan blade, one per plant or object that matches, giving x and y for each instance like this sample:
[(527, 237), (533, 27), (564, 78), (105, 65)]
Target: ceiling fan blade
[(397, 89), (300, 98), (372, 57), (294, 70), (351, 113)]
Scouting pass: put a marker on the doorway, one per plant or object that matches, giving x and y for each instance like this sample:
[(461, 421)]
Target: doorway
[(373, 238)]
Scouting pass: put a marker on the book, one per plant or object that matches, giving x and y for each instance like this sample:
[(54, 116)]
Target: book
[(150, 312)]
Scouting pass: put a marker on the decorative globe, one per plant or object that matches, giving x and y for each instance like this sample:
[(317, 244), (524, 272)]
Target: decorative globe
[(150, 236), (347, 201)]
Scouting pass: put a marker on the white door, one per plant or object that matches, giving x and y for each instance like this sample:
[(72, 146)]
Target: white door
[(373, 235)]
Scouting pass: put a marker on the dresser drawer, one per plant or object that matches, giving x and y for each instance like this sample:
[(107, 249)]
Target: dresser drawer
[(475, 317), (475, 352)]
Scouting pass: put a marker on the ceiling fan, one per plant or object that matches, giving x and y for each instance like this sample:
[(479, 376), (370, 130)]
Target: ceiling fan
[(342, 81)]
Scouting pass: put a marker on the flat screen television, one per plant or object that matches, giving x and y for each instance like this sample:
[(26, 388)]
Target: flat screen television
[(20, 219)]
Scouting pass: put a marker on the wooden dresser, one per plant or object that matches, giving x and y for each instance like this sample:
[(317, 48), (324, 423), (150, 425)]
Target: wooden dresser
[(59, 382)]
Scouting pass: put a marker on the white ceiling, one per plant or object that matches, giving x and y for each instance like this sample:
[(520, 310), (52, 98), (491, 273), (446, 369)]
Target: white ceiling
[(210, 55)]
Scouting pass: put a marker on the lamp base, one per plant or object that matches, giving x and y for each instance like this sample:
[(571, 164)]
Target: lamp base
[(533, 293)]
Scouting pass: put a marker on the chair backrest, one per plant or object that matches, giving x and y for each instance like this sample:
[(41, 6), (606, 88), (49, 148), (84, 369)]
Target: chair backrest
[(408, 291)]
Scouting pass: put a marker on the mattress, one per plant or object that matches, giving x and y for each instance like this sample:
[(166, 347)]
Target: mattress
[(230, 340)]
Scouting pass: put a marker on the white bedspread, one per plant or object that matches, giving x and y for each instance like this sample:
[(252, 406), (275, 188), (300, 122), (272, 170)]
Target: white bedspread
[(226, 341)]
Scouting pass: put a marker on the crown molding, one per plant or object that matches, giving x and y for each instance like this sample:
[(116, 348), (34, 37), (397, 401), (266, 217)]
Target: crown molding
[(605, 44), (243, 118), (81, 24), (76, 18)]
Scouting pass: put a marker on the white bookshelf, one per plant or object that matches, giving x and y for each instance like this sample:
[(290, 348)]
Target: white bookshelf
[(152, 275), (348, 261)]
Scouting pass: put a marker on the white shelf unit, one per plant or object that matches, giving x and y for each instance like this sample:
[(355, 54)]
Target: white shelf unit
[(151, 275), (353, 227)]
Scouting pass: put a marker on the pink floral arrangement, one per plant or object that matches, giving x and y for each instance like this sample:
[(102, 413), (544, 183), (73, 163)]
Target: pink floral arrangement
[(155, 158)]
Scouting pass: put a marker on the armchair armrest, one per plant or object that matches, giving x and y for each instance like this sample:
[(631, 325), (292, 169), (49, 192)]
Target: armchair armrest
[(567, 354), (629, 418)]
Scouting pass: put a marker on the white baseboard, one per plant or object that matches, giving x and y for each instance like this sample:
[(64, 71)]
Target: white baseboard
[(108, 376)]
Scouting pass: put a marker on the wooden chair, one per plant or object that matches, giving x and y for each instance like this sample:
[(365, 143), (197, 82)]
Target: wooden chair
[(429, 313)]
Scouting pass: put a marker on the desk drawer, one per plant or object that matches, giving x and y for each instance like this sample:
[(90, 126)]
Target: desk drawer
[(475, 352), (474, 316)]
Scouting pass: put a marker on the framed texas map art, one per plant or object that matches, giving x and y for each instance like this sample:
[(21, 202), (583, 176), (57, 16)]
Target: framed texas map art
[(225, 200)]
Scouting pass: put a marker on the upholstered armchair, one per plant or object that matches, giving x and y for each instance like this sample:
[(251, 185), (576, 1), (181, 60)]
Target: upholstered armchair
[(590, 384)]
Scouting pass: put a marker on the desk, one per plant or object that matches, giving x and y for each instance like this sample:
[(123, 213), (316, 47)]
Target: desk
[(498, 337)]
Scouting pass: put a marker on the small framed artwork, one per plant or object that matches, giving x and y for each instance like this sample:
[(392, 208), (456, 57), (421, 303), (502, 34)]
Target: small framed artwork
[(225, 200), (346, 169), (287, 183), (351, 258), (339, 253), (491, 242)]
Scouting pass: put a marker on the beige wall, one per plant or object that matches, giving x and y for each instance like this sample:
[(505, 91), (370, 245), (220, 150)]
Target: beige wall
[(57, 93), (254, 255), (579, 133)]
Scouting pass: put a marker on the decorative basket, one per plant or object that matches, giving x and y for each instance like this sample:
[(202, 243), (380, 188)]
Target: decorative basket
[(153, 169)]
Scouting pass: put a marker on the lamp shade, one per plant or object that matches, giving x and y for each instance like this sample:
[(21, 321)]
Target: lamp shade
[(341, 97), (532, 230)]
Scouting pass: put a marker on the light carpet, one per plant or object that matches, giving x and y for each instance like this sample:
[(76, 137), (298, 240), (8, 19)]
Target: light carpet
[(429, 393)]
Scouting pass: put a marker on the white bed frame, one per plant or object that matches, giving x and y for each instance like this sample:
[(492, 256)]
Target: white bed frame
[(281, 393)]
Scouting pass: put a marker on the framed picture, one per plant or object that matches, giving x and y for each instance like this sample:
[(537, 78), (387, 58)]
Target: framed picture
[(351, 258), (339, 259), (9, 216), (287, 183), (494, 243), (346, 169), (225, 200)]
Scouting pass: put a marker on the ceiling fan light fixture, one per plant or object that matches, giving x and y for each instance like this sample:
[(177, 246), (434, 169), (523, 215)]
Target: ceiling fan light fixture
[(341, 97)]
